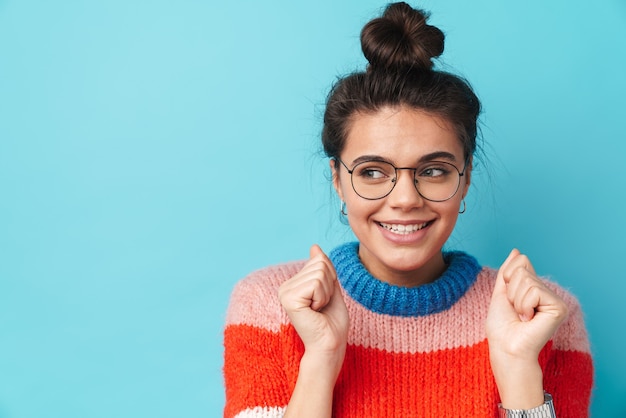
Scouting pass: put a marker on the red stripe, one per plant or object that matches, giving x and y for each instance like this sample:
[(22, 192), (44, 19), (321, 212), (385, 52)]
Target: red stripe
[(568, 376), (445, 383), (261, 368), (253, 369)]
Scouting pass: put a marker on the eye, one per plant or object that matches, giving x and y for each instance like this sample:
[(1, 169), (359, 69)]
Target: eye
[(371, 173), (374, 171), (435, 171)]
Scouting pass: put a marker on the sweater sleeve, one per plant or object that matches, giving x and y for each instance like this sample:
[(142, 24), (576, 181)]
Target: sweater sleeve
[(255, 378), (568, 368)]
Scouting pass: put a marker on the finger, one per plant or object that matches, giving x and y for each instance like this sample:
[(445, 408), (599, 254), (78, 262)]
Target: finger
[(515, 267), (519, 282), (506, 287), (321, 294), (501, 310), (522, 286), (336, 303), (304, 292), (328, 267), (317, 261), (500, 287), (526, 299), (315, 251), (503, 267), (518, 261), (313, 286), (545, 301), (317, 254)]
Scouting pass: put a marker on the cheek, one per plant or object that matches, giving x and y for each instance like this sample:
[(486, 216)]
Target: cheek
[(451, 210), (448, 210), (359, 209)]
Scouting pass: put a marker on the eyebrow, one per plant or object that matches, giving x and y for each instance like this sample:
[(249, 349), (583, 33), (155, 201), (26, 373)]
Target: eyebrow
[(437, 155)]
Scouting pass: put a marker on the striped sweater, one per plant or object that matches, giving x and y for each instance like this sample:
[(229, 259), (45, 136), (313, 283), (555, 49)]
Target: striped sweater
[(412, 352)]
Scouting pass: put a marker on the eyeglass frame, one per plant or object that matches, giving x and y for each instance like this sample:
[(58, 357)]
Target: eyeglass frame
[(414, 169)]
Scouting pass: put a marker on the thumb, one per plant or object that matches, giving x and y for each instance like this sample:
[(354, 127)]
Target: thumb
[(499, 290), (514, 253), (315, 251)]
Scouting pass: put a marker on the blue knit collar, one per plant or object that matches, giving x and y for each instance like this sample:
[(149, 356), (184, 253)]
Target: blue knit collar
[(385, 298)]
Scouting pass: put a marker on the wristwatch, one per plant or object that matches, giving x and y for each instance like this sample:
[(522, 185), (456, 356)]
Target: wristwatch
[(543, 411)]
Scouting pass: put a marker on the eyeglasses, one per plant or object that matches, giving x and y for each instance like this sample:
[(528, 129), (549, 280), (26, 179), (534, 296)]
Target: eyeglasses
[(436, 181)]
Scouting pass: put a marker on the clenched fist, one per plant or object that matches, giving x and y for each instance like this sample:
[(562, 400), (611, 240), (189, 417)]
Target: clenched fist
[(523, 315), (314, 304)]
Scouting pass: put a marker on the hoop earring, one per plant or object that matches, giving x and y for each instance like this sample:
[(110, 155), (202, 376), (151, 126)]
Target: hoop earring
[(464, 207), (343, 208)]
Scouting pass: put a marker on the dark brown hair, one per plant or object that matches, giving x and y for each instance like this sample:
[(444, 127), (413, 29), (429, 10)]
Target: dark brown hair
[(400, 47)]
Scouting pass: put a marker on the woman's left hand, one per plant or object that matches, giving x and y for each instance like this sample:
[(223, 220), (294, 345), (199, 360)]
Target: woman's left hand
[(523, 315)]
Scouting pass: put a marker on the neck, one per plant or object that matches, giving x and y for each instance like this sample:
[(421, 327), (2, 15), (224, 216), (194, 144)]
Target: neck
[(427, 273)]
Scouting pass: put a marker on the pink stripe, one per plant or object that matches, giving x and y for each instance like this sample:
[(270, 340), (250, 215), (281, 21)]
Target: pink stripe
[(444, 330), (572, 335), (255, 302)]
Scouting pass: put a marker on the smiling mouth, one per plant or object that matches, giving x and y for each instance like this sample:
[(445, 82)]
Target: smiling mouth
[(404, 229)]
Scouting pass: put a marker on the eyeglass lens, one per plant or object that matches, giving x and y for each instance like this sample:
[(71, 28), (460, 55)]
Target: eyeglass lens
[(436, 180)]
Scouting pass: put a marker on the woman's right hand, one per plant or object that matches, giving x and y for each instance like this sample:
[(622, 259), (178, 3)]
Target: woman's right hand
[(313, 301)]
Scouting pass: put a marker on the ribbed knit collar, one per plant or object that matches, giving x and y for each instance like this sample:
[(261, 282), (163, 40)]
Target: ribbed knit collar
[(385, 298)]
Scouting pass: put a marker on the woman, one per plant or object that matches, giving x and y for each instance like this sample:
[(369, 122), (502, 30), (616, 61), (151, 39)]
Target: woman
[(393, 325)]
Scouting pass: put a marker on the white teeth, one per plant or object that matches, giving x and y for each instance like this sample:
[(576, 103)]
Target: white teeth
[(403, 229)]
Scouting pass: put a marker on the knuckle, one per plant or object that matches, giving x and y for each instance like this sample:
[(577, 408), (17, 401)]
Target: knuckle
[(317, 282), (531, 282), (564, 310)]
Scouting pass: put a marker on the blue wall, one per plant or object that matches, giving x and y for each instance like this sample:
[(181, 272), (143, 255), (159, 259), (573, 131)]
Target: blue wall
[(154, 152)]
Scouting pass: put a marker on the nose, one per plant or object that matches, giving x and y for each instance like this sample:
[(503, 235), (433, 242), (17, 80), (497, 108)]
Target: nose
[(404, 194)]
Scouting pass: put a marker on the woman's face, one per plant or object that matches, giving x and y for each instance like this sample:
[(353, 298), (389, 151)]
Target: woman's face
[(401, 235)]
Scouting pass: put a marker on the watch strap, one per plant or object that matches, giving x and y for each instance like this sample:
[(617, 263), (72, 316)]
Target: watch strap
[(543, 411)]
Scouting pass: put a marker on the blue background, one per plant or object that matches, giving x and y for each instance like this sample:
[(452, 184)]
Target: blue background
[(152, 153)]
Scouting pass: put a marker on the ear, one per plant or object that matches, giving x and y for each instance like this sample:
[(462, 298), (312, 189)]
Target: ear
[(468, 175), (335, 173)]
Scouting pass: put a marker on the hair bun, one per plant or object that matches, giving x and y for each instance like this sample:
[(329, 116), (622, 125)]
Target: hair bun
[(400, 38)]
